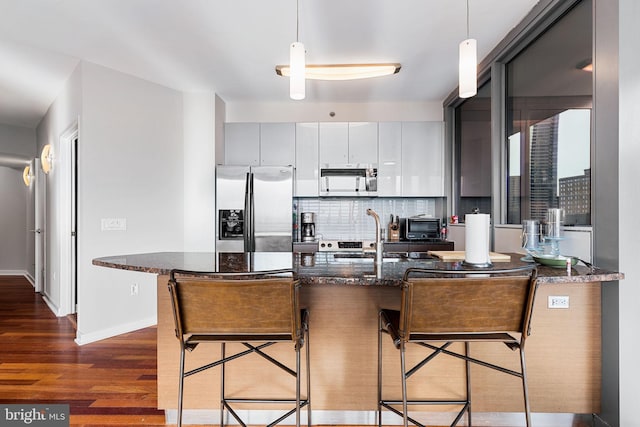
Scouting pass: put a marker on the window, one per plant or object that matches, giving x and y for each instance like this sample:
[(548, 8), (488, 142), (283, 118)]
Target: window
[(473, 153), (549, 97)]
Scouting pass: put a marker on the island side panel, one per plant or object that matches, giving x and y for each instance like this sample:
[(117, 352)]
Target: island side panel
[(563, 355)]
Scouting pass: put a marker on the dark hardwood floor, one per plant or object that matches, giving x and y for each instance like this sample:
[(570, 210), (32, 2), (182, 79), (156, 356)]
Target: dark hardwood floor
[(111, 382), (107, 383)]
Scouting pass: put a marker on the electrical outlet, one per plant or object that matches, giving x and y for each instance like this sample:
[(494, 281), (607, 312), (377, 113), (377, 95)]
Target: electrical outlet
[(557, 301), (134, 289), (113, 224)]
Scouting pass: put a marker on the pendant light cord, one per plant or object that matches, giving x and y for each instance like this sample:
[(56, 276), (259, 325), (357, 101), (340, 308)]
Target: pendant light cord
[(298, 20), (467, 19)]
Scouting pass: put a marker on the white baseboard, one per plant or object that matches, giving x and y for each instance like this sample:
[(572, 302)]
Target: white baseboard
[(30, 278), (52, 306), (82, 339), (23, 273), (325, 417)]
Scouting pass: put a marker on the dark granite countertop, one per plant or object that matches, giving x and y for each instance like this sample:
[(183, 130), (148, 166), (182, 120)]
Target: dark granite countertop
[(324, 268)]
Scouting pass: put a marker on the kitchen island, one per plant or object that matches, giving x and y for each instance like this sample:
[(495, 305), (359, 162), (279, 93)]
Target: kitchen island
[(344, 294)]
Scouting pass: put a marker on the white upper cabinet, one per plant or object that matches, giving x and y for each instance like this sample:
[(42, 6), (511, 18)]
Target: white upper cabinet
[(306, 156), (334, 143), (390, 154), (277, 144), (352, 143), (409, 155), (242, 144), (423, 159), (363, 142), (259, 144)]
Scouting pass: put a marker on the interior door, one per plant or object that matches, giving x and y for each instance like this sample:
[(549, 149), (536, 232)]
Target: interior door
[(39, 224)]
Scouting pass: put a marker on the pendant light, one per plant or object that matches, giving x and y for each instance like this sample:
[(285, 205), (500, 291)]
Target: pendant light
[(468, 65), (343, 71), (297, 64)]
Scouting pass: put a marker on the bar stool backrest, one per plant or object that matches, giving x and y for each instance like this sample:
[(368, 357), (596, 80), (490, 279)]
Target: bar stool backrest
[(236, 306), (466, 305)]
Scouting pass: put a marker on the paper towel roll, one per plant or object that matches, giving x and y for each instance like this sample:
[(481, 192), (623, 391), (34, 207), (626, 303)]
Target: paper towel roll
[(476, 239)]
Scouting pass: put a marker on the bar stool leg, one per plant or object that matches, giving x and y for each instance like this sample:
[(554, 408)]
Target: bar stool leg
[(180, 388), (379, 370), (308, 355), (468, 369), (297, 386), (405, 414), (222, 396), (525, 390)]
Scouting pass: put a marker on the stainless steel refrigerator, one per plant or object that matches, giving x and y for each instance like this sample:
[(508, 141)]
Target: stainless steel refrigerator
[(254, 208)]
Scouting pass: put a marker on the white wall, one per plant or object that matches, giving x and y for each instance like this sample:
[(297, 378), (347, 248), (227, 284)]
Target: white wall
[(131, 166), (629, 238), (300, 111), (61, 114), (199, 171)]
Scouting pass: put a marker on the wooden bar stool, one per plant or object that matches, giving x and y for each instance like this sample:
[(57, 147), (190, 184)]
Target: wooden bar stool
[(255, 309), (437, 311)]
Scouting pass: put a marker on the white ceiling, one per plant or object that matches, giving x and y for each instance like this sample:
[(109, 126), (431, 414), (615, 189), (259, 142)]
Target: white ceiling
[(232, 46)]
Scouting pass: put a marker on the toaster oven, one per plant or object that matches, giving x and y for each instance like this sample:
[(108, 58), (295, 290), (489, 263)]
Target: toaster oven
[(420, 228)]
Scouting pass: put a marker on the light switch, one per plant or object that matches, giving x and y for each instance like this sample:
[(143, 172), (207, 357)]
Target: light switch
[(113, 224)]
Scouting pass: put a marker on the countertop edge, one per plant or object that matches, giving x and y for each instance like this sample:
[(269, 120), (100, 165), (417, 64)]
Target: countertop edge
[(552, 275)]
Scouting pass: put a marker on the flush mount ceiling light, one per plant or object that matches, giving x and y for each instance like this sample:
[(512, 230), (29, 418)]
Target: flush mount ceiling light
[(343, 71), (468, 65), (46, 158), (297, 65), (26, 175)]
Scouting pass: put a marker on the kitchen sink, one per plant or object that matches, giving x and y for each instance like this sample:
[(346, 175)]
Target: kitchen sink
[(386, 257), (368, 256)]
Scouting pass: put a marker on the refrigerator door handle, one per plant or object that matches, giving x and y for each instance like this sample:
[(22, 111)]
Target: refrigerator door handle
[(252, 218), (248, 216)]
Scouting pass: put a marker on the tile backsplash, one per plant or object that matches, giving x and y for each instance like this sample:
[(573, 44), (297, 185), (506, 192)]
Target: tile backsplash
[(347, 219)]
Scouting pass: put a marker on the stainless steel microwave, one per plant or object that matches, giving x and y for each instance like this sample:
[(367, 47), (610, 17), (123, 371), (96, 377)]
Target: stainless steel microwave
[(349, 180), (420, 228)]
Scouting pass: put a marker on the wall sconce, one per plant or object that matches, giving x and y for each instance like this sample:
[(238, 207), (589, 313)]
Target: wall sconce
[(46, 158), (27, 176), (585, 65)]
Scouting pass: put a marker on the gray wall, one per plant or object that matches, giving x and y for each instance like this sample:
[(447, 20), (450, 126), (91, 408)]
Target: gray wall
[(16, 208), (605, 196)]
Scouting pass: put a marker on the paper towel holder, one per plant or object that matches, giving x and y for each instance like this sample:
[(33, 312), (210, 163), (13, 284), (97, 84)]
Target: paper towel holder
[(484, 264)]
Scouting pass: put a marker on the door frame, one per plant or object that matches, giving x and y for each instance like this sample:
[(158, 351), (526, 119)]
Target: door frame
[(40, 221), (67, 214)]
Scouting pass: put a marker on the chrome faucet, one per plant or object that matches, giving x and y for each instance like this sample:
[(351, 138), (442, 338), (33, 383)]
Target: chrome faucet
[(379, 248)]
